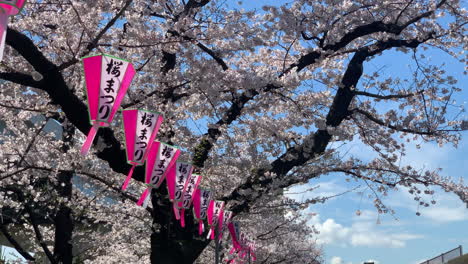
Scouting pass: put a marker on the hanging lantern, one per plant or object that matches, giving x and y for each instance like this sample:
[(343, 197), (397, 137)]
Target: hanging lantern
[(224, 221), (235, 232), (7, 8), (107, 81), (201, 201), (215, 210), (177, 179), (161, 157), (141, 128), (187, 196)]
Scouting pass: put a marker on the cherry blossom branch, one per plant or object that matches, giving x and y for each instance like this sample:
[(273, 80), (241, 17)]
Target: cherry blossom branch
[(394, 127), (315, 144), (44, 111), (40, 238), (387, 97), (94, 177), (360, 31), (233, 112), (31, 143), (94, 42), (19, 78), (163, 94), (277, 227), (15, 244)]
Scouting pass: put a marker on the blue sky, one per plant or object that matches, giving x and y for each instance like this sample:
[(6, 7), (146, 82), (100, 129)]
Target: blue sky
[(347, 238), (350, 239)]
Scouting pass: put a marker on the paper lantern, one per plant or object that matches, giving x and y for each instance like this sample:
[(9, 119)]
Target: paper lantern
[(7, 8), (201, 201), (141, 128), (187, 196), (223, 222), (161, 157), (235, 232), (107, 80), (177, 179), (215, 210)]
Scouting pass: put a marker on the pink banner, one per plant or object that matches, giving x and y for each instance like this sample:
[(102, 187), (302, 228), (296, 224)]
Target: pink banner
[(201, 201), (224, 221), (177, 180), (214, 212), (141, 128), (107, 80), (7, 8), (161, 157), (187, 195), (233, 228)]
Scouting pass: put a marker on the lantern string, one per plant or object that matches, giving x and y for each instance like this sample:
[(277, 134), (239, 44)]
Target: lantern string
[(89, 139), (3, 30), (176, 212), (182, 217), (129, 177), (144, 196), (201, 227)]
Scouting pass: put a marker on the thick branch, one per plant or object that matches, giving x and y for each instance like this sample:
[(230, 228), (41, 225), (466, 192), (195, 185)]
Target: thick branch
[(19, 78), (360, 31), (386, 97), (75, 110), (40, 238), (217, 58), (15, 244), (207, 142), (394, 127), (313, 146)]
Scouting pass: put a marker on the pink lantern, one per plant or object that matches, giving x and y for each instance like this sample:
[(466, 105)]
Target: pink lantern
[(201, 201), (161, 158), (187, 196), (141, 128), (223, 222), (177, 179), (215, 210), (235, 232), (107, 81), (7, 8)]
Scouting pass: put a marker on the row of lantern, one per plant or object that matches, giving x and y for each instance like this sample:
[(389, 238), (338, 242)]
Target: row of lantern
[(244, 247), (107, 81)]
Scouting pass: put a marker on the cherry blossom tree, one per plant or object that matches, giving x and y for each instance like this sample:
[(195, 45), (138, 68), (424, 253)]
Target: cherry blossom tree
[(259, 100)]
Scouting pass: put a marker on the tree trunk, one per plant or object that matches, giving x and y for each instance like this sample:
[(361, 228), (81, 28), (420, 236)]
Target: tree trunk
[(63, 248), (171, 243)]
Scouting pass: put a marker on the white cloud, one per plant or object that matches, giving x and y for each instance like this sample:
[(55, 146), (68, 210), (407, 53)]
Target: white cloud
[(333, 233), (359, 234), (448, 208), (336, 260), (446, 214)]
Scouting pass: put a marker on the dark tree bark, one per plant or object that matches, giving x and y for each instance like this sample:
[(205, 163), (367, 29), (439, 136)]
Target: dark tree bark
[(170, 243), (63, 248)]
